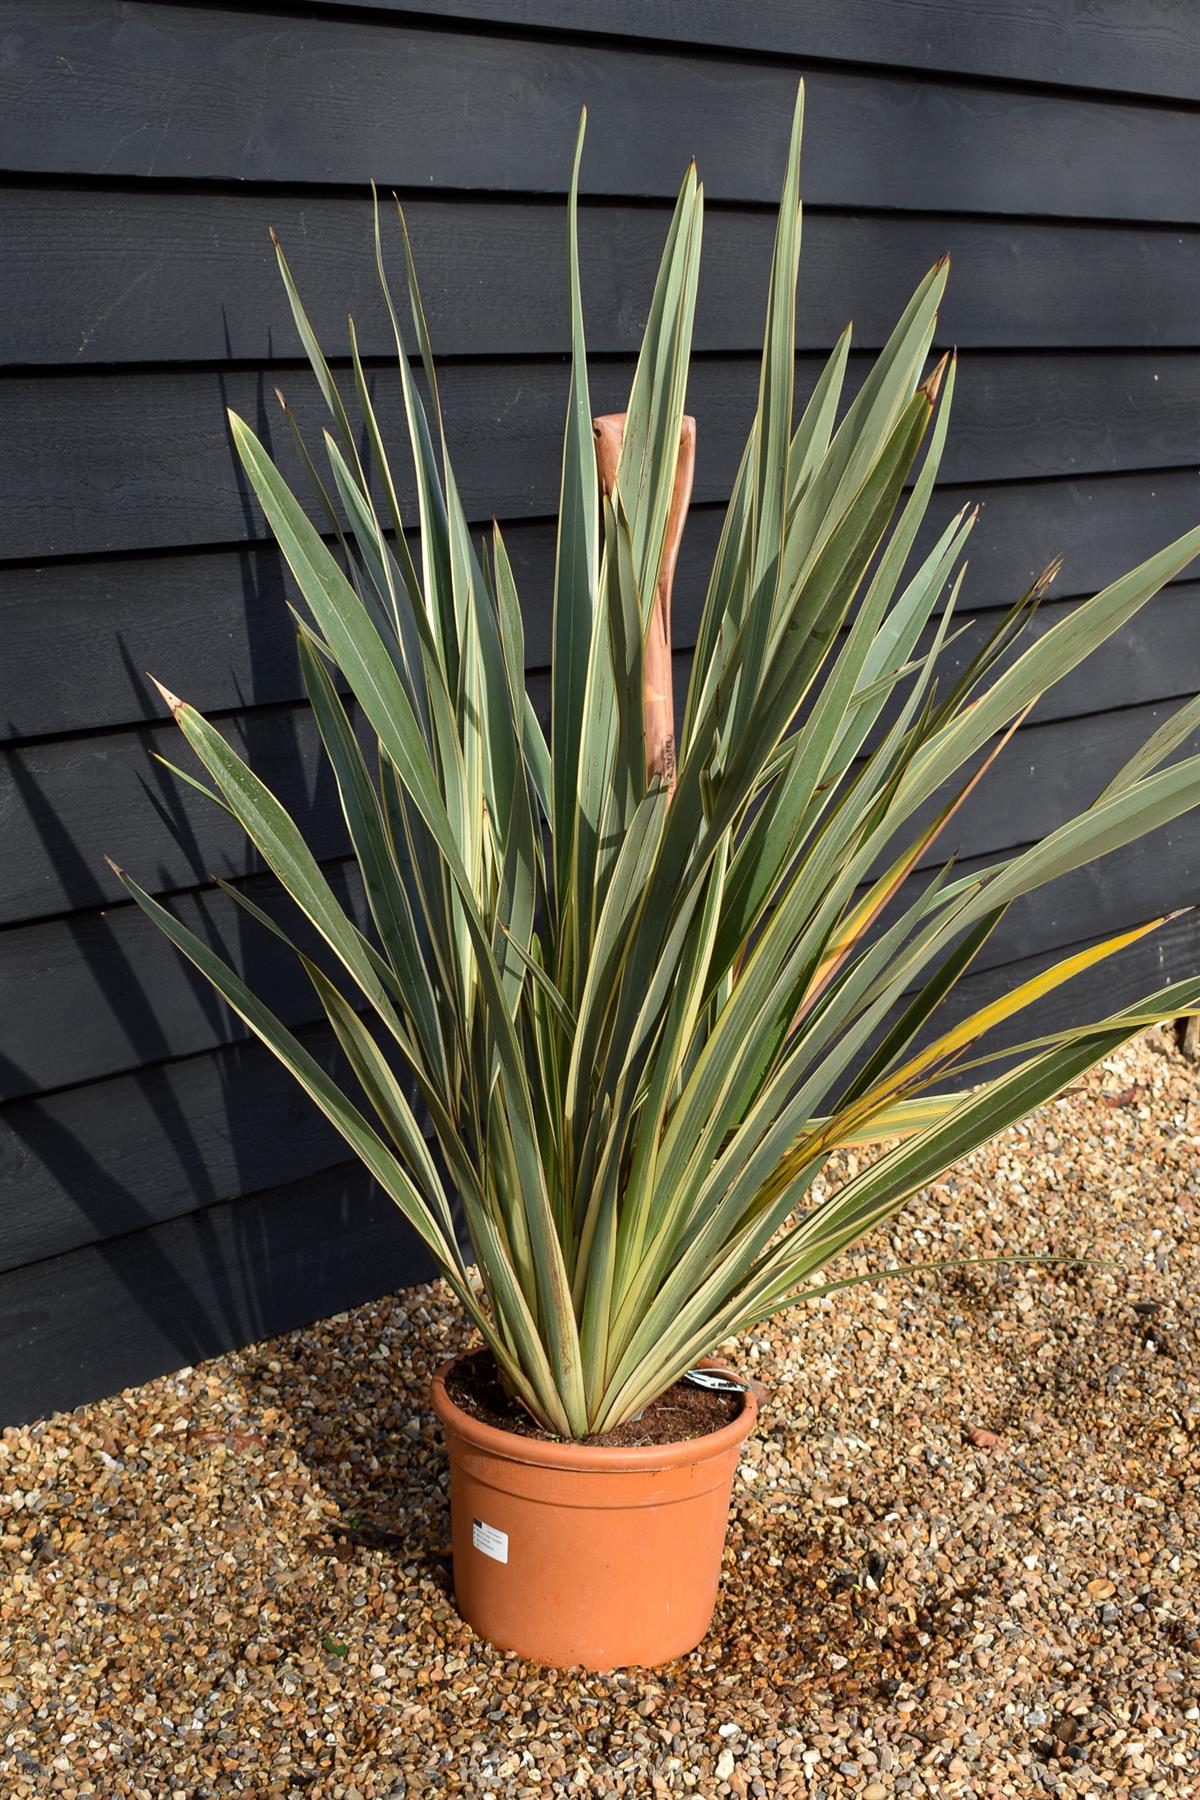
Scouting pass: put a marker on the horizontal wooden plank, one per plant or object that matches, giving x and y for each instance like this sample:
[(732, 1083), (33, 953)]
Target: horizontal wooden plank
[(94, 1162), (213, 623), (171, 274), (101, 1318), (67, 805), (116, 995), (1146, 48), (142, 460), (91, 995), (342, 98)]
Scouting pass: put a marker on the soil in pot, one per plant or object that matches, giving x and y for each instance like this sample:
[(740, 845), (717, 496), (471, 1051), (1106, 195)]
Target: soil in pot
[(682, 1413)]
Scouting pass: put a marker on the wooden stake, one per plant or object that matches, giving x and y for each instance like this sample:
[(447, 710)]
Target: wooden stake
[(658, 686)]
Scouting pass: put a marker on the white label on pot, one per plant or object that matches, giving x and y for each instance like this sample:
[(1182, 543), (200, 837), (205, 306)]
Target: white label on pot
[(493, 1543)]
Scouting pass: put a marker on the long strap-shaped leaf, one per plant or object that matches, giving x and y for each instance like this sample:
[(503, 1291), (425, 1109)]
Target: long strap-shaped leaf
[(341, 1113), (870, 1197), (276, 836), (575, 568), (861, 1203), (769, 488), (384, 885)]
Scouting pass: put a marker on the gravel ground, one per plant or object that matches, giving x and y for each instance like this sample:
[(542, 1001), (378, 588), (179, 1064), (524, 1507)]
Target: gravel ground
[(962, 1558)]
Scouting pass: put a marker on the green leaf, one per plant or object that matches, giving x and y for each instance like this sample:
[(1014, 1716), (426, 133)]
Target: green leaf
[(575, 571), (1173, 732), (345, 1117), (383, 881)]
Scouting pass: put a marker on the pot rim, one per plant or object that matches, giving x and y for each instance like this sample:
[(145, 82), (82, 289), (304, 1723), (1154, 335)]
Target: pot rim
[(591, 1459)]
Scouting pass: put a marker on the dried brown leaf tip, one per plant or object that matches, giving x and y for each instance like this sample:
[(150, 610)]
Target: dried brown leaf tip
[(933, 381), (172, 700), (1047, 575)]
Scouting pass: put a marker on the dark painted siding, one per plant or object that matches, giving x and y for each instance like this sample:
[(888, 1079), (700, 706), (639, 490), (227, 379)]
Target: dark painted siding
[(167, 1191)]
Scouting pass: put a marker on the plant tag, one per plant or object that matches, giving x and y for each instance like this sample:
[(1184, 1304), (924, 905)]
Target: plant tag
[(718, 1384), (493, 1543)]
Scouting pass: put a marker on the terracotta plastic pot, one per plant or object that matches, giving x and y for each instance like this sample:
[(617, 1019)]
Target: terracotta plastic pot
[(575, 1554)]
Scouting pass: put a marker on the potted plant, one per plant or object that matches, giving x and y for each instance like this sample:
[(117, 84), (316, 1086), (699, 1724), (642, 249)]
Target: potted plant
[(642, 994)]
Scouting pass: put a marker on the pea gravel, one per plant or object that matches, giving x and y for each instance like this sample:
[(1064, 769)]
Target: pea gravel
[(962, 1558)]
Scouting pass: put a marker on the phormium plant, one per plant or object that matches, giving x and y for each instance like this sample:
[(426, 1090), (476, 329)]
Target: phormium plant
[(644, 998)]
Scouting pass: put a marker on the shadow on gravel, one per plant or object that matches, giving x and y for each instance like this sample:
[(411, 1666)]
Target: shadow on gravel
[(364, 1431), (829, 1625)]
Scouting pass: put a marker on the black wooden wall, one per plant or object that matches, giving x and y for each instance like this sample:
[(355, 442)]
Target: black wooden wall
[(166, 1193)]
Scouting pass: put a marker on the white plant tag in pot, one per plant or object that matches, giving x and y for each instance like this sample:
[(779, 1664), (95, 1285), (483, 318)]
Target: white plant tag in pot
[(716, 1381)]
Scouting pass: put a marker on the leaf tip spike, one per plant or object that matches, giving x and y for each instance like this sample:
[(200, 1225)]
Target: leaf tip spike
[(933, 381), (172, 700)]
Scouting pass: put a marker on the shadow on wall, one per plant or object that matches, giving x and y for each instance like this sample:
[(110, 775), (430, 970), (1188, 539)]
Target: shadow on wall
[(216, 1272)]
